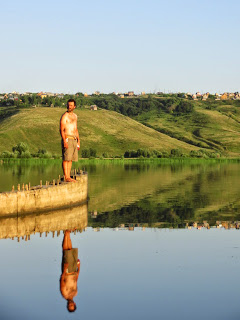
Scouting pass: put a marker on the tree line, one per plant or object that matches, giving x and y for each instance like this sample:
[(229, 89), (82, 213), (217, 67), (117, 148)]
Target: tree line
[(128, 106)]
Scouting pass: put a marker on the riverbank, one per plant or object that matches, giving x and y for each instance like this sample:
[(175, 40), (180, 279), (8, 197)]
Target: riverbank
[(118, 160)]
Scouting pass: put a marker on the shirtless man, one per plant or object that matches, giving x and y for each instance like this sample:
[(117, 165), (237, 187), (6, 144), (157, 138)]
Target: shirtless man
[(70, 272), (70, 139)]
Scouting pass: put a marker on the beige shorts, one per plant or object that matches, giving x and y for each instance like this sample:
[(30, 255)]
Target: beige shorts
[(70, 153), (70, 257)]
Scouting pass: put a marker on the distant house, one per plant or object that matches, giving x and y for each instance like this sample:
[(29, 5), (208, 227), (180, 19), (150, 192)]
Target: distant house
[(42, 95), (198, 94), (143, 93), (121, 96), (194, 96), (97, 93), (224, 96), (93, 107), (50, 94), (204, 97), (1, 97), (130, 93), (85, 94)]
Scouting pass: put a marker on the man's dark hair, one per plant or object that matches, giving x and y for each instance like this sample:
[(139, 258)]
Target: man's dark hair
[(75, 306), (71, 100)]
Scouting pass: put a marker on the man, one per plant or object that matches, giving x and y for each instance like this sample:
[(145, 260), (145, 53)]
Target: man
[(70, 139), (70, 272)]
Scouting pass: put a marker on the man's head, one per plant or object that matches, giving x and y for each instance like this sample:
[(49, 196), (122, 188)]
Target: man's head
[(71, 306), (71, 105)]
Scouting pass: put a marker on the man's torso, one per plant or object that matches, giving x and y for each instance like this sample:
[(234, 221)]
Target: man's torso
[(70, 121)]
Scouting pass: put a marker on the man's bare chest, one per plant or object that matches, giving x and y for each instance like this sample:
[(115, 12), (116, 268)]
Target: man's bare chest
[(71, 119)]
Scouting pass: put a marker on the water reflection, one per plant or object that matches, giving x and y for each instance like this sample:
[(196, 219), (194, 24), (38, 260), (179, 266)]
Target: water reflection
[(20, 227), (147, 266), (70, 272)]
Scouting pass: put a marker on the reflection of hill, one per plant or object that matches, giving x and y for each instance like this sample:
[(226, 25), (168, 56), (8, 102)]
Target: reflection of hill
[(72, 218), (207, 192), (210, 188), (124, 187)]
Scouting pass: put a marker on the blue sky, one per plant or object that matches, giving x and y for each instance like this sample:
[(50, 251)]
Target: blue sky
[(85, 46)]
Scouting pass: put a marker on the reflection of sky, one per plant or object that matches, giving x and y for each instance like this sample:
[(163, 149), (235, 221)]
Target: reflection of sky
[(168, 274)]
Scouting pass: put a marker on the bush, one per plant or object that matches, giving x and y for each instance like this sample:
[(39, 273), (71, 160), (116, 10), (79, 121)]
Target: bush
[(21, 148), (25, 155), (184, 107), (196, 154), (92, 152), (7, 154), (127, 154), (85, 153), (42, 151), (105, 155), (165, 154), (143, 153), (43, 154), (176, 153)]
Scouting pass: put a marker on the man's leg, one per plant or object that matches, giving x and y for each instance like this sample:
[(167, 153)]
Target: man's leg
[(65, 170), (67, 243), (67, 165), (69, 171)]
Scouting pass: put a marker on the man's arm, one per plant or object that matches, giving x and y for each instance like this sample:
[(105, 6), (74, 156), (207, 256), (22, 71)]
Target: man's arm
[(78, 265), (77, 134), (62, 130), (78, 139)]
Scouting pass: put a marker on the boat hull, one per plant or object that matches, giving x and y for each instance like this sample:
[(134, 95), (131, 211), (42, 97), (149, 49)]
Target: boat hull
[(45, 198)]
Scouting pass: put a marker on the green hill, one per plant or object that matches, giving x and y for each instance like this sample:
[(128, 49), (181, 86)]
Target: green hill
[(160, 124), (213, 125), (106, 131)]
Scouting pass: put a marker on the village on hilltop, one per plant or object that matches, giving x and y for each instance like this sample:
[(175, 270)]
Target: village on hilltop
[(15, 96)]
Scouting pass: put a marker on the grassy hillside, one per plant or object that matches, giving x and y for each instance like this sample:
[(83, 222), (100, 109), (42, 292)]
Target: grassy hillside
[(105, 131), (207, 126)]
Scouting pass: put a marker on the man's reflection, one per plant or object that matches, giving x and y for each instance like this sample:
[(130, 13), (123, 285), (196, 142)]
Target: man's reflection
[(70, 272)]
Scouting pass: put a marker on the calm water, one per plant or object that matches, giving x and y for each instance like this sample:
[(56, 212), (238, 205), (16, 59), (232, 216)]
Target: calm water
[(154, 241)]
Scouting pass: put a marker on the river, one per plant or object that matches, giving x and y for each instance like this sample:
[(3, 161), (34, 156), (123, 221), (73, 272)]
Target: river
[(154, 241)]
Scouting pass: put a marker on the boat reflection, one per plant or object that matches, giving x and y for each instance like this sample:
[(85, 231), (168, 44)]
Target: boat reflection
[(75, 218)]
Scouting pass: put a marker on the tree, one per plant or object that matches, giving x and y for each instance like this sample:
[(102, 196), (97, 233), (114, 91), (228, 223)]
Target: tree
[(21, 147), (184, 107)]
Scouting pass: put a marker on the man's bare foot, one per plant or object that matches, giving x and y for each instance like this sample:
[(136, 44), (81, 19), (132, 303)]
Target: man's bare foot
[(70, 180)]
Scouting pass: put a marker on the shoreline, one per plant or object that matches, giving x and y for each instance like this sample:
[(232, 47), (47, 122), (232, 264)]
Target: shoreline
[(119, 160)]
